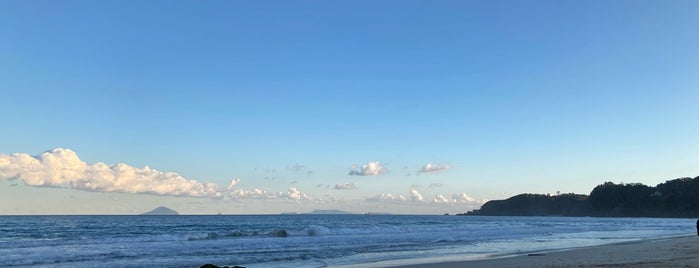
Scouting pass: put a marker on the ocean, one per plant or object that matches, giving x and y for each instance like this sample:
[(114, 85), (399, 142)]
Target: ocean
[(303, 240)]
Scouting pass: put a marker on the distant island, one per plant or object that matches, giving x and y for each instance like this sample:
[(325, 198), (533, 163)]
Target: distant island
[(328, 212), (161, 211), (674, 198)]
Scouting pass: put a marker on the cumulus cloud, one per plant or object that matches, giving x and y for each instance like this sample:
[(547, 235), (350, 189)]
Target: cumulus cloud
[(416, 196), (429, 167), (388, 197), (250, 194), (464, 198), (246, 194), (461, 198), (345, 186), (441, 199), (294, 194), (370, 169), (233, 183), (62, 168)]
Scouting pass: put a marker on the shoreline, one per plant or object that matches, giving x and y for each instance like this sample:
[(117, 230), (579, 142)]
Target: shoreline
[(675, 251)]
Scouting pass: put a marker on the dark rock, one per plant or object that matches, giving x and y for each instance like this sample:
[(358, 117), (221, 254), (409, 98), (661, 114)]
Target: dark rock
[(280, 233)]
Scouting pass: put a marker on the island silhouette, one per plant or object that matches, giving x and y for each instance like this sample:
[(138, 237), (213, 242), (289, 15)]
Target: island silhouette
[(161, 211)]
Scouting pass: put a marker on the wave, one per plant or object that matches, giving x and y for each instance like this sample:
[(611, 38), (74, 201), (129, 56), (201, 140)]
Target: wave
[(283, 241), (279, 232), (311, 231), (314, 230)]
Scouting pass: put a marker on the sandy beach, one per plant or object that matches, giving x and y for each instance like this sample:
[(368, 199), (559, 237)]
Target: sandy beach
[(665, 252)]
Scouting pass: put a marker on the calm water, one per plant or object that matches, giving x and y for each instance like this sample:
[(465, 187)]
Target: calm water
[(300, 240)]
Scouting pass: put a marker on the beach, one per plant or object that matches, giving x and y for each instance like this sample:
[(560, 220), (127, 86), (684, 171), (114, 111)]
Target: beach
[(682, 251)]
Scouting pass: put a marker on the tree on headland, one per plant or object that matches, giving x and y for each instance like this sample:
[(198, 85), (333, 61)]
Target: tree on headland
[(632, 199), (673, 198)]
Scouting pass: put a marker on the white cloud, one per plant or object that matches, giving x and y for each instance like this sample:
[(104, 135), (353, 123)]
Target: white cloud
[(62, 168), (233, 183), (464, 198), (416, 196), (243, 194), (250, 194), (429, 167), (294, 194), (441, 199), (345, 186), (370, 169), (461, 198), (388, 197)]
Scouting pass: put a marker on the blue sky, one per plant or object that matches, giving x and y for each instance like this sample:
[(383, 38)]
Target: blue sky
[(505, 96)]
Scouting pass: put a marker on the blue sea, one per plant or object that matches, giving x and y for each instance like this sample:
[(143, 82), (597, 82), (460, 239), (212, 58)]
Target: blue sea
[(303, 240)]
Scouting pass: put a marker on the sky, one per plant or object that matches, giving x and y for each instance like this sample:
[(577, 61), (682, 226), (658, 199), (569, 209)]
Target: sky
[(410, 107)]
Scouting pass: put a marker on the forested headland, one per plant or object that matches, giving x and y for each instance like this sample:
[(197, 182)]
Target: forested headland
[(673, 198)]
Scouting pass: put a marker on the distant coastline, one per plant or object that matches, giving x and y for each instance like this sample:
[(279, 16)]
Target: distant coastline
[(678, 198)]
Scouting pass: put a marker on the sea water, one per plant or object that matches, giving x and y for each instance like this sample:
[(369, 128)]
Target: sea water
[(302, 240)]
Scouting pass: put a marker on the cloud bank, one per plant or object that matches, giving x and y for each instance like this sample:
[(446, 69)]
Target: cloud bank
[(62, 168), (240, 194), (416, 198), (370, 169), (292, 194), (461, 198), (388, 197)]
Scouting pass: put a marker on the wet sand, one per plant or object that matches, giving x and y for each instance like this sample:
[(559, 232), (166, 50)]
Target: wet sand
[(665, 252)]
